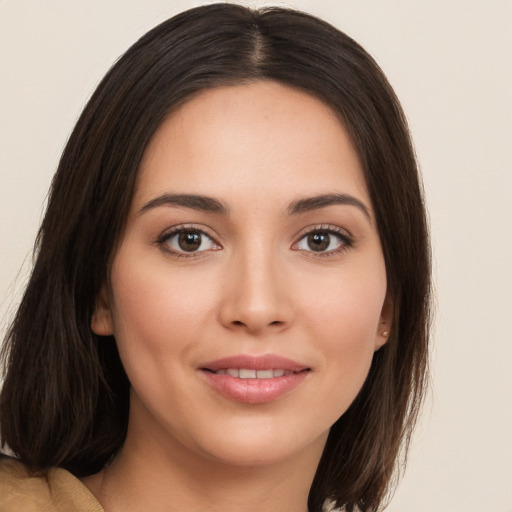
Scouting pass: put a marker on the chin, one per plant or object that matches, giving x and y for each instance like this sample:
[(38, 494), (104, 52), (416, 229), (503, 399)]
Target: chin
[(262, 446)]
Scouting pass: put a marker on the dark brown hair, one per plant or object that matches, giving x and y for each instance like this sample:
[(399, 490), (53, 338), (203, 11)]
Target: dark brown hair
[(65, 397)]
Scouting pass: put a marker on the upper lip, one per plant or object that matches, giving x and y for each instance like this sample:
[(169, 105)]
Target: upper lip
[(263, 362)]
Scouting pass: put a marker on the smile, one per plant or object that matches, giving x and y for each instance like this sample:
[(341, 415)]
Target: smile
[(254, 379)]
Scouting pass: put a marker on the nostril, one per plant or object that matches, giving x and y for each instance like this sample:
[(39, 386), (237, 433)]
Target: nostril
[(240, 323)]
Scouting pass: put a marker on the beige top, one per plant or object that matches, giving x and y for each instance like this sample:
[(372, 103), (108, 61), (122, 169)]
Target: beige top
[(57, 490)]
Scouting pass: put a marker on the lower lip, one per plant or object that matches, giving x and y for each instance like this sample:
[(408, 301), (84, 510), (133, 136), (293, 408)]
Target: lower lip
[(254, 391)]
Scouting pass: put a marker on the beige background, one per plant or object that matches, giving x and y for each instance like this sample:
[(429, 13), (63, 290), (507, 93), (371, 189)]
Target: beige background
[(450, 63)]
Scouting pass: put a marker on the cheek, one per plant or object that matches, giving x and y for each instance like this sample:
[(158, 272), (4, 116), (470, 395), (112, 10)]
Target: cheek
[(348, 306), (157, 310), (344, 320)]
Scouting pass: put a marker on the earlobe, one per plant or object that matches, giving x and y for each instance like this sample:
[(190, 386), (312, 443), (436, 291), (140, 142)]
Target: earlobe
[(381, 338), (385, 323), (101, 321)]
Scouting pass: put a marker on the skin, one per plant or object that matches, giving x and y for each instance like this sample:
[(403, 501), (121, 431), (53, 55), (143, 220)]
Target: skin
[(256, 286)]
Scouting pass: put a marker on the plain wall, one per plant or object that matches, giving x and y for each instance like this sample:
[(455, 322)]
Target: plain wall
[(450, 63)]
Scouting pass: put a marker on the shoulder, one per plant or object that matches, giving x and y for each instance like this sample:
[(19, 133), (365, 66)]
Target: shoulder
[(20, 489), (53, 490)]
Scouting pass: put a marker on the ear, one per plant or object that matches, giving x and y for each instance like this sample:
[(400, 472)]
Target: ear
[(385, 322), (101, 321)]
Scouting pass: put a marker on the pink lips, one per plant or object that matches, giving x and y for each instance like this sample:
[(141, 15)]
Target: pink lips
[(254, 380)]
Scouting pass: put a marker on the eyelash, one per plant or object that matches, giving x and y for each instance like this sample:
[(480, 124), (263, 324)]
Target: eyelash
[(346, 241), (163, 240)]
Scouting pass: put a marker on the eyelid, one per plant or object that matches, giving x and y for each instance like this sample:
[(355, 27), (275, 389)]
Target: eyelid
[(331, 228), (345, 236), (172, 231)]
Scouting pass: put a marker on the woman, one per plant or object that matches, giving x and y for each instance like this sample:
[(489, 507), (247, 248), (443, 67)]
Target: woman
[(229, 303)]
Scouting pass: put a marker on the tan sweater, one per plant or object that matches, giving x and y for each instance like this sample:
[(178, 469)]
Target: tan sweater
[(55, 491)]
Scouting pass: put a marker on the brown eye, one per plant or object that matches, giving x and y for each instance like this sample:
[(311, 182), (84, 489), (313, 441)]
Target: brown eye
[(319, 241), (324, 241), (189, 241)]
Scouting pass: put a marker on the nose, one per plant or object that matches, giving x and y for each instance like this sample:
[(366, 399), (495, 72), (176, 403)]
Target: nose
[(256, 298)]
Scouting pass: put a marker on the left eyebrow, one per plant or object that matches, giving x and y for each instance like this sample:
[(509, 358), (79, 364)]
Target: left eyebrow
[(316, 202)]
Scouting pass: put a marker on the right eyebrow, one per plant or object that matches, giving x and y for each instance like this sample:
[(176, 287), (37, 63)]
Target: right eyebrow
[(196, 202)]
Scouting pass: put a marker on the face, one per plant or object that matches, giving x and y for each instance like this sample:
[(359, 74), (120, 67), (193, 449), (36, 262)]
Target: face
[(248, 293)]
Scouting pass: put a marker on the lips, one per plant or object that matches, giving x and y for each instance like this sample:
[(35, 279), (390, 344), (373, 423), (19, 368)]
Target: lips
[(254, 380), (264, 362)]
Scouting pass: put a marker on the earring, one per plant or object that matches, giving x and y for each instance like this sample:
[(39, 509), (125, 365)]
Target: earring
[(384, 333)]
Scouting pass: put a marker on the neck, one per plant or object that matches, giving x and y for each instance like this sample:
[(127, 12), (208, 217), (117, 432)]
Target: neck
[(146, 476)]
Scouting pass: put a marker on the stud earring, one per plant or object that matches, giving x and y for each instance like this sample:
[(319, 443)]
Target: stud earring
[(384, 333)]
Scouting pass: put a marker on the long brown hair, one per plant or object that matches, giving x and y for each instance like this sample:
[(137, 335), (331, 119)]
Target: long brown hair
[(65, 397)]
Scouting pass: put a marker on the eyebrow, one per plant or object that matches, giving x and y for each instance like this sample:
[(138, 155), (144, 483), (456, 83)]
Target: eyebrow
[(212, 205), (317, 202), (196, 202)]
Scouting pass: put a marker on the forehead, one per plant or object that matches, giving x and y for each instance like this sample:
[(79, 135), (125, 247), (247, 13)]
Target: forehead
[(261, 137)]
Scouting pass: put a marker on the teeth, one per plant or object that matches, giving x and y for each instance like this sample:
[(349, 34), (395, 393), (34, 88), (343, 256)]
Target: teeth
[(246, 373), (264, 374)]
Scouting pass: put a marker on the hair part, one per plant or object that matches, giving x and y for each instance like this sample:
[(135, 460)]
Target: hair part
[(65, 398)]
